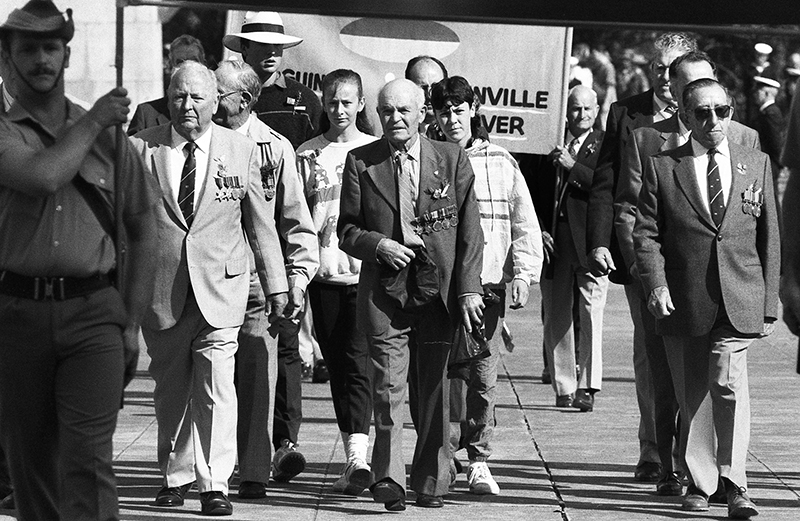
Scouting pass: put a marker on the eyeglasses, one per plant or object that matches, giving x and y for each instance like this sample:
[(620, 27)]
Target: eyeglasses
[(226, 94), (704, 113)]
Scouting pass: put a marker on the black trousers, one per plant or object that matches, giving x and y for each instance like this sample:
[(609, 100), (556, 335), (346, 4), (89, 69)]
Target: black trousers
[(60, 392), (346, 353), (288, 387)]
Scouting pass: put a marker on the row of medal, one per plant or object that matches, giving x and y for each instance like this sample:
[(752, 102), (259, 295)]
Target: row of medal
[(230, 188), (437, 220), (752, 199)]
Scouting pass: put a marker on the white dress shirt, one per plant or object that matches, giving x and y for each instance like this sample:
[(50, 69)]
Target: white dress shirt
[(177, 157), (723, 159)]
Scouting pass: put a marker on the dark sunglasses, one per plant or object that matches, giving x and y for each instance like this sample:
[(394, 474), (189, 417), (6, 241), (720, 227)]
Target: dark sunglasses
[(704, 113)]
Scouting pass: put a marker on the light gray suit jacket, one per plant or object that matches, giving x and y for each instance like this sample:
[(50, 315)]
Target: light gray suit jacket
[(212, 255), (679, 246)]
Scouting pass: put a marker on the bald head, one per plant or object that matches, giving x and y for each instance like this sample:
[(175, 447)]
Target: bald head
[(582, 109), (401, 108), (425, 72)]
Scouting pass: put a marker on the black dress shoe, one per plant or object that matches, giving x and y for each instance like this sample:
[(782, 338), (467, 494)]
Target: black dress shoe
[(695, 499), (215, 504), (252, 490), (584, 400), (390, 494), (564, 400), (647, 471), (669, 485), (426, 501), (172, 496)]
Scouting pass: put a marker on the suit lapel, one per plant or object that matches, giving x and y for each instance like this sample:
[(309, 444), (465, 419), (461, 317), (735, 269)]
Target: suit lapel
[(160, 166), (739, 179), (687, 181), (382, 173), (213, 151), (430, 178)]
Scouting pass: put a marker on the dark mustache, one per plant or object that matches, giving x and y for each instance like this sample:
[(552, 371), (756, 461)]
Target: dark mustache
[(42, 69)]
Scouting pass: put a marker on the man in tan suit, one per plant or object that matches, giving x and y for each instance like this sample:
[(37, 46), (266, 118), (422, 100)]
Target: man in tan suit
[(708, 255), (212, 196)]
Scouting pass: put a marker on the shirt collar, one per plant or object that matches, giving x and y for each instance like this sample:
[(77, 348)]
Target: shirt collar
[(280, 80), (682, 129), (245, 128), (19, 113), (766, 104), (203, 142), (659, 104), (412, 151), (699, 150)]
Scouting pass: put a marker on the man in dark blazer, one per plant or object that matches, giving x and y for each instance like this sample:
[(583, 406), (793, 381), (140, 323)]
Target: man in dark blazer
[(156, 112), (602, 244), (708, 255), (643, 143), (202, 282), (564, 223), (431, 185)]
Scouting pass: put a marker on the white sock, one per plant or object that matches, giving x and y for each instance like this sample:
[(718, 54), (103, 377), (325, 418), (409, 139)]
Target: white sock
[(357, 446)]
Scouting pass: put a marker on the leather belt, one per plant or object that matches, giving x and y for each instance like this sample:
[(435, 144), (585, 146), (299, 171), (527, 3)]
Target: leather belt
[(51, 288)]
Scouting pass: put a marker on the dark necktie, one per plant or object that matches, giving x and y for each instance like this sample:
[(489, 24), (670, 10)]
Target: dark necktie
[(186, 190), (572, 148), (406, 195), (716, 202)]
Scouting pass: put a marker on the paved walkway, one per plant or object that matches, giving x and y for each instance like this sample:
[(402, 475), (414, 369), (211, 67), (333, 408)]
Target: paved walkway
[(552, 464)]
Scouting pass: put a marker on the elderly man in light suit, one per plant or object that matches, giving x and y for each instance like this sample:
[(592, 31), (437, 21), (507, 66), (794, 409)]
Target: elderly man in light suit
[(708, 255), (256, 360), (212, 196), (403, 197)]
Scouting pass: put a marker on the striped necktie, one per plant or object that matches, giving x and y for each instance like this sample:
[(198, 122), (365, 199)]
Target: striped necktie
[(716, 201), (407, 196), (186, 190), (572, 148)]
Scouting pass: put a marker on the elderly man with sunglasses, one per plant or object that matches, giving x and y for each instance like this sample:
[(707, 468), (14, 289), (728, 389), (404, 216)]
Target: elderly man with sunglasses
[(643, 143), (708, 255)]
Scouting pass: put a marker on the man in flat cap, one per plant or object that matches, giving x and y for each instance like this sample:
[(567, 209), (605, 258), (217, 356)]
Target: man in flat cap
[(68, 339), (292, 110)]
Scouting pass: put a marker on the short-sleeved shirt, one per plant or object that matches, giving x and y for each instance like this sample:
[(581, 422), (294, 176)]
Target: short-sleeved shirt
[(59, 234), (291, 109)]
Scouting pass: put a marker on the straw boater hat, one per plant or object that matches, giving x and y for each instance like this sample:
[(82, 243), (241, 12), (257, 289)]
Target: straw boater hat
[(42, 18), (261, 27)]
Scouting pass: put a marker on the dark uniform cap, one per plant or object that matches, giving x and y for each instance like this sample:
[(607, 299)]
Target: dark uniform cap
[(42, 18)]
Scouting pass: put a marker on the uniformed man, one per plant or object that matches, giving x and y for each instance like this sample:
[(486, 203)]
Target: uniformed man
[(68, 338)]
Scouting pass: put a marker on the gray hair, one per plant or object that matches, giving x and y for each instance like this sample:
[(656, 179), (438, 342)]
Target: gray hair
[(669, 42), (196, 67), (240, 76)]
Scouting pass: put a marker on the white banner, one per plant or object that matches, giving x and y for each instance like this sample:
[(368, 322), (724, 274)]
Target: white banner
[(519, 72)]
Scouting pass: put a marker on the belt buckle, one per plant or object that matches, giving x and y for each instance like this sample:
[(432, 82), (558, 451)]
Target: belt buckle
[(53, 288)]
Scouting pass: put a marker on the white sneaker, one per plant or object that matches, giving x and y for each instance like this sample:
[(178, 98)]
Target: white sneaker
[(480, 479), (356, 477)]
